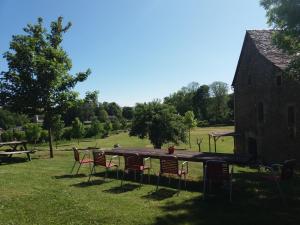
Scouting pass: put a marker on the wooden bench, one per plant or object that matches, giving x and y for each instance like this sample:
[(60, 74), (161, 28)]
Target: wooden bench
[(11, 153)]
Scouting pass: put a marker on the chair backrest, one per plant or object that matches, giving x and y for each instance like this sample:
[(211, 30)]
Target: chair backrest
[(216, 170), (169, 165), (99, 158), (76, 154), (133, 161), (287, 170)]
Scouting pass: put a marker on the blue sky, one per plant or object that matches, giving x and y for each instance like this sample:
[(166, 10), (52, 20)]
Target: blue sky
[(140, 50)]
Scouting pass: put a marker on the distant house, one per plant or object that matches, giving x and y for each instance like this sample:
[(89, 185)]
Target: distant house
[(38, 118), (267, 104)]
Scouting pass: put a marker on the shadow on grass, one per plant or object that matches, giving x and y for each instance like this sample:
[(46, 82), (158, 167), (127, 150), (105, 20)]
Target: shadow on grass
[(125, 188), (161, 194), (66, 176), (255, 201), (89, 183), (13, 160)]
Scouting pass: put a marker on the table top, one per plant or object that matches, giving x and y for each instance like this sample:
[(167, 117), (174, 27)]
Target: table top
[(12, 143), (191, 156)]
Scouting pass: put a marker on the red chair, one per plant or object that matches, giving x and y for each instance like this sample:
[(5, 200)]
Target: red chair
[(84, 160), (135, 163), (217, 172), (100, 160), (170, 166)]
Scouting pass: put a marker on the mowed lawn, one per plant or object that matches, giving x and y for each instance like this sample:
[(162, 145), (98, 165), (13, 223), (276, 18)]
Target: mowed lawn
[(43, 192)]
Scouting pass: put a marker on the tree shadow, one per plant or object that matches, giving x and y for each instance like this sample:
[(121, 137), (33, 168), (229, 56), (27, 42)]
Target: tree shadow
[(89, 183), (13, 160), (125, 188), (66, 176), (255, 201), (160, 194)]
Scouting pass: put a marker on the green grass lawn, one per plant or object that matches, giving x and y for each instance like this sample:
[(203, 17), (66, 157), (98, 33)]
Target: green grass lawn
[(43, 192)]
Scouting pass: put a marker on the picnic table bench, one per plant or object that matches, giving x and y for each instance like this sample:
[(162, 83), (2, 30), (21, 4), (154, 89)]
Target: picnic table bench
[(13, 149)]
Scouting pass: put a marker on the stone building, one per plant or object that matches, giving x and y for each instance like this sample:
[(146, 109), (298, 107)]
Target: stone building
[(267, 103)]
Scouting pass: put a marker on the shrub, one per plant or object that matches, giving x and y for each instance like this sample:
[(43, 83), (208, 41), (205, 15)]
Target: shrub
[(203, 123), (67, 133), (96, 129), (33, 132), (19, 135), (7, 136), (44, 136)]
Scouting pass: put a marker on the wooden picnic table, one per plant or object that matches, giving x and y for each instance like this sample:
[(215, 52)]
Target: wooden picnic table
[(14, 144), (13, 149), (183, 155)]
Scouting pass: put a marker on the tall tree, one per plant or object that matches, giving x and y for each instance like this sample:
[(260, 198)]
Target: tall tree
[(201, 101), (190, 122), (159, 122), (284, 17), (38, 79), (219, 107)]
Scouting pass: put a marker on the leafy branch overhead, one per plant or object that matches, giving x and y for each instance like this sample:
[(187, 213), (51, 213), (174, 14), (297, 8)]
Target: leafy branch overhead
[(284, 17)]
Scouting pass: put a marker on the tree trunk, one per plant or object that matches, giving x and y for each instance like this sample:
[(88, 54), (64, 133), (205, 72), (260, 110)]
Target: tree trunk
[(190, 138), (50, 142)]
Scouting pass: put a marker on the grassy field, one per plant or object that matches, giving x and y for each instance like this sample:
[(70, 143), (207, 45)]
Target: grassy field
[(43, 192)]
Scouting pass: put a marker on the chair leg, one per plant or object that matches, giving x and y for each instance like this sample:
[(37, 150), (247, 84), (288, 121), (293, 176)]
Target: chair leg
[(149, 176), (141, 178), (204, 187), (78, 168), (185, 181), (73, 167), (179, 185), (91, 173), (105, 176), (122, 178), (117, 173), (158, 177), (230, 193)]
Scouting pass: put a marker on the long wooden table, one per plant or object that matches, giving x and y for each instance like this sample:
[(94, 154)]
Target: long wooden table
[(183, 155), (14, 144)]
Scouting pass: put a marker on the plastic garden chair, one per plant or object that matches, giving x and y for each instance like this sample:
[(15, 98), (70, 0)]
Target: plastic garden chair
[(135, 163), (170, 166), (84, 160), (100, 160), (216, 172)]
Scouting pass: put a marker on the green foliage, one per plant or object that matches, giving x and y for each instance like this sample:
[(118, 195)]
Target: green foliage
[(19, 135), (107, 128), (116, 125), (218, 108), (33, 132), (203, 123), (7, 136), (96, 128), (11, 120), (44, 136), (113, 109), (190, 122), (128, 112), (159, 122), (38, 79), (67, 133), (283, 16), (102, 115), (77, 129), (57, 127), (201, 102)]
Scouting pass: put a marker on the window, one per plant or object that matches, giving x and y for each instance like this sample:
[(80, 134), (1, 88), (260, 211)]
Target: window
[(260, 112), (291, 119)]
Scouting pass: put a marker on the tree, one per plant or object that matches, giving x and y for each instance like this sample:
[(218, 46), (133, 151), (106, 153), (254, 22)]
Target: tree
[(77, 129), (33, 132), (101, 114), (38, 79), (96, 128), (219, 108), (57, 128), (116, 125), (113, 109), (190, 122), (127, 112), (201, 102), (10, 120), (283, 16), (159, 122), (107, 127)]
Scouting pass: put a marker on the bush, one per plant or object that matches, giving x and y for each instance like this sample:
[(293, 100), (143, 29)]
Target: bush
[(19, 135), (116, 125), (33, 132), (67, 133), (7, 136), (44, 136), (96, 128), (203, 123)]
